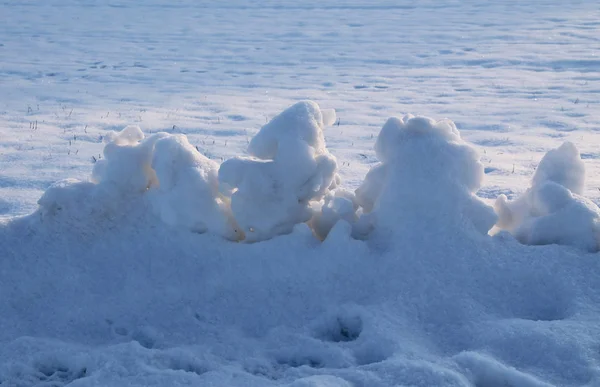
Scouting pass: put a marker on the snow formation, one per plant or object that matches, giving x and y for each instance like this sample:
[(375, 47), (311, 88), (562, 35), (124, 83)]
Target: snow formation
[(179, 184), (290, 167), (337, 205), (406, 287), (552, 210), (426, 179)]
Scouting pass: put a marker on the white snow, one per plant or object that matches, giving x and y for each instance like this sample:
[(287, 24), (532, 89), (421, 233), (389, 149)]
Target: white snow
[(338, 205), (553, 210), (273, 191), (427, 180), (373, 263)]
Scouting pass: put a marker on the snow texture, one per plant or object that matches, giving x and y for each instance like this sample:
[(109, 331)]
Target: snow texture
[(552, 210)]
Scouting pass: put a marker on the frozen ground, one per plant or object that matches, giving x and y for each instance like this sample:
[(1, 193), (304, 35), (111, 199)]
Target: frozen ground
[(125, 300)]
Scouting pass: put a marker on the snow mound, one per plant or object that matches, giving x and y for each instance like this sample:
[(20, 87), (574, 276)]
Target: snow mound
[(442, 304), (67, 194), (179, 185), (426, 181), (187, 193), (562, 166), (290, 168), (552, 211)]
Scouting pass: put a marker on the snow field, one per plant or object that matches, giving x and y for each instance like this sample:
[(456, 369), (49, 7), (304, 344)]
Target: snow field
[(406, 286), (130, 278)]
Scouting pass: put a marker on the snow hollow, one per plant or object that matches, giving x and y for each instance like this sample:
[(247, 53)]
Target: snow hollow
[(371, 218)]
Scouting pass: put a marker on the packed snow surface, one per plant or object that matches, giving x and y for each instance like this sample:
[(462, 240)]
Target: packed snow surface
[(177, 211)]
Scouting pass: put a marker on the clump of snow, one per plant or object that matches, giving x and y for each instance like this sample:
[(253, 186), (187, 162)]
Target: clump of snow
[(179, 184), (290, 168), (370, 189), (187, 190), (552, 210), (562, 166), (427, 179), (126, 165)]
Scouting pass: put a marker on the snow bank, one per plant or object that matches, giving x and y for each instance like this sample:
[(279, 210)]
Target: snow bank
[(552, 210), (290, 168), (246, 198), (425, 182), (441, 304)]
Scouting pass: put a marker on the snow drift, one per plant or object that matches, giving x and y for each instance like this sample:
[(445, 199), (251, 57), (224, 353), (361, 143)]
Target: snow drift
[(135, 267), (426, 179)]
